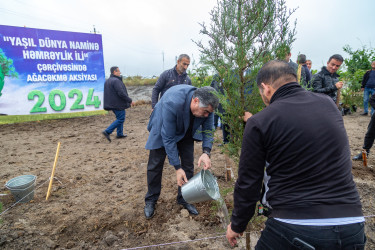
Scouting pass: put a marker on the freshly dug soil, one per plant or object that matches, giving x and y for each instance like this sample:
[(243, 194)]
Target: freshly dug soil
[(98, 197)]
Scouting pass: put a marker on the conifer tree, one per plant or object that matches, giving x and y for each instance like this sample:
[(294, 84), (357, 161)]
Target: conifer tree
[(242, 36)]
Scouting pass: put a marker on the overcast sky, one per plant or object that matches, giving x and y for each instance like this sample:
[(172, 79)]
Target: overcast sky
[(136, 33)]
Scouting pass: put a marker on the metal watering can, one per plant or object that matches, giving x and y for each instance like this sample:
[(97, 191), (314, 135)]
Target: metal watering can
[(201, 187)]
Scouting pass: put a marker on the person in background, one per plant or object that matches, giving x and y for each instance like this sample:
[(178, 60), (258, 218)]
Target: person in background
[(116, 98), (303, 73), (308, 186), (289, 61), (370, 134), (171, 77), (368, 86), (326, 81), (309, 64), (173, 124), (217, 85)]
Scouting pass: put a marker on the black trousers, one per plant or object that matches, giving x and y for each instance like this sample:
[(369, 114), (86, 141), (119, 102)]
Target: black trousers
[(216, 120), (155, 169), (226, 133), (370, 134), (279, 235)]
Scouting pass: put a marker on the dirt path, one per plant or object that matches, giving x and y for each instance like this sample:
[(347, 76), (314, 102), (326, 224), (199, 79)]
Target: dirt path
[(97, 202)]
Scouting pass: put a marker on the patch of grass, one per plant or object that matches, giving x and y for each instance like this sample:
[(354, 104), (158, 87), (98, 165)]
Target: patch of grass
[(6, 119), (142, 102), (225, 191), (139, 81), (256, 223)]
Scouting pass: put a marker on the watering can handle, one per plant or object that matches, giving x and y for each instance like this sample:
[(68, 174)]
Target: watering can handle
[(204, 172)]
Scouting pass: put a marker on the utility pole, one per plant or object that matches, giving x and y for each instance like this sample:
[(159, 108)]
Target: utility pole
[(163, 59), (94, 31)]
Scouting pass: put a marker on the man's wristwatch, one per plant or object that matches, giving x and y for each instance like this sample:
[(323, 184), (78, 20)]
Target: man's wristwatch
[(207, 153)]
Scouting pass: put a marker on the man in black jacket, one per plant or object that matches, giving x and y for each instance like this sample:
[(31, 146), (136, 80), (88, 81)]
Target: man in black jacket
[(172, 77), (116, 99), (326, 81), (308, 183), (368, 86)]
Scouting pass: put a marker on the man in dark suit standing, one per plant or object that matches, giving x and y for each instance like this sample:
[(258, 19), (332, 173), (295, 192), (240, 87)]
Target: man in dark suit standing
[(174, 125)]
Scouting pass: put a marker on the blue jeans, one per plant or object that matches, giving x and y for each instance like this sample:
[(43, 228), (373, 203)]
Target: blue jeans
[(368, 92), (118, 123), (280, 235)]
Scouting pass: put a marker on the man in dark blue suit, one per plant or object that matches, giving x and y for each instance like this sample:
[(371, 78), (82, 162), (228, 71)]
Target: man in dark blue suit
[(174, 125)]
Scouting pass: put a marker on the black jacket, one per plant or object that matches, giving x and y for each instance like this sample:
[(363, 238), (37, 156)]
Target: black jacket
[(167, 79), (366, 76), (115, 94), (324, 82), (302, 136), (305, 76)]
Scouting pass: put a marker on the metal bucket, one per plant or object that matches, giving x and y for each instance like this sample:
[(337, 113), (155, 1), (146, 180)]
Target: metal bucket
[(22, 187), (201, 187)]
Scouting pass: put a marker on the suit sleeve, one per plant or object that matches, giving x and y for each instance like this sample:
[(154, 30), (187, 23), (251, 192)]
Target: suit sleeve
[(247, 190), (159, 85), (168, 134)]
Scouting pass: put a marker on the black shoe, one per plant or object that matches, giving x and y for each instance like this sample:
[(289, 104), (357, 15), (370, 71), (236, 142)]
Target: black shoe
[(191, 208), (121, 136), (106, 136), (149, 210), (358, 157), (364, 113)]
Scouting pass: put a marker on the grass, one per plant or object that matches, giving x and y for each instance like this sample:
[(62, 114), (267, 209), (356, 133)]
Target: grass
[(39, 117), (139, 81)]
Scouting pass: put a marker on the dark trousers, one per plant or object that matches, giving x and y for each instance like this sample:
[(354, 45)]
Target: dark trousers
[(155, 169), (216, 120), (370, 134), (226, 133), (279, 235)]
